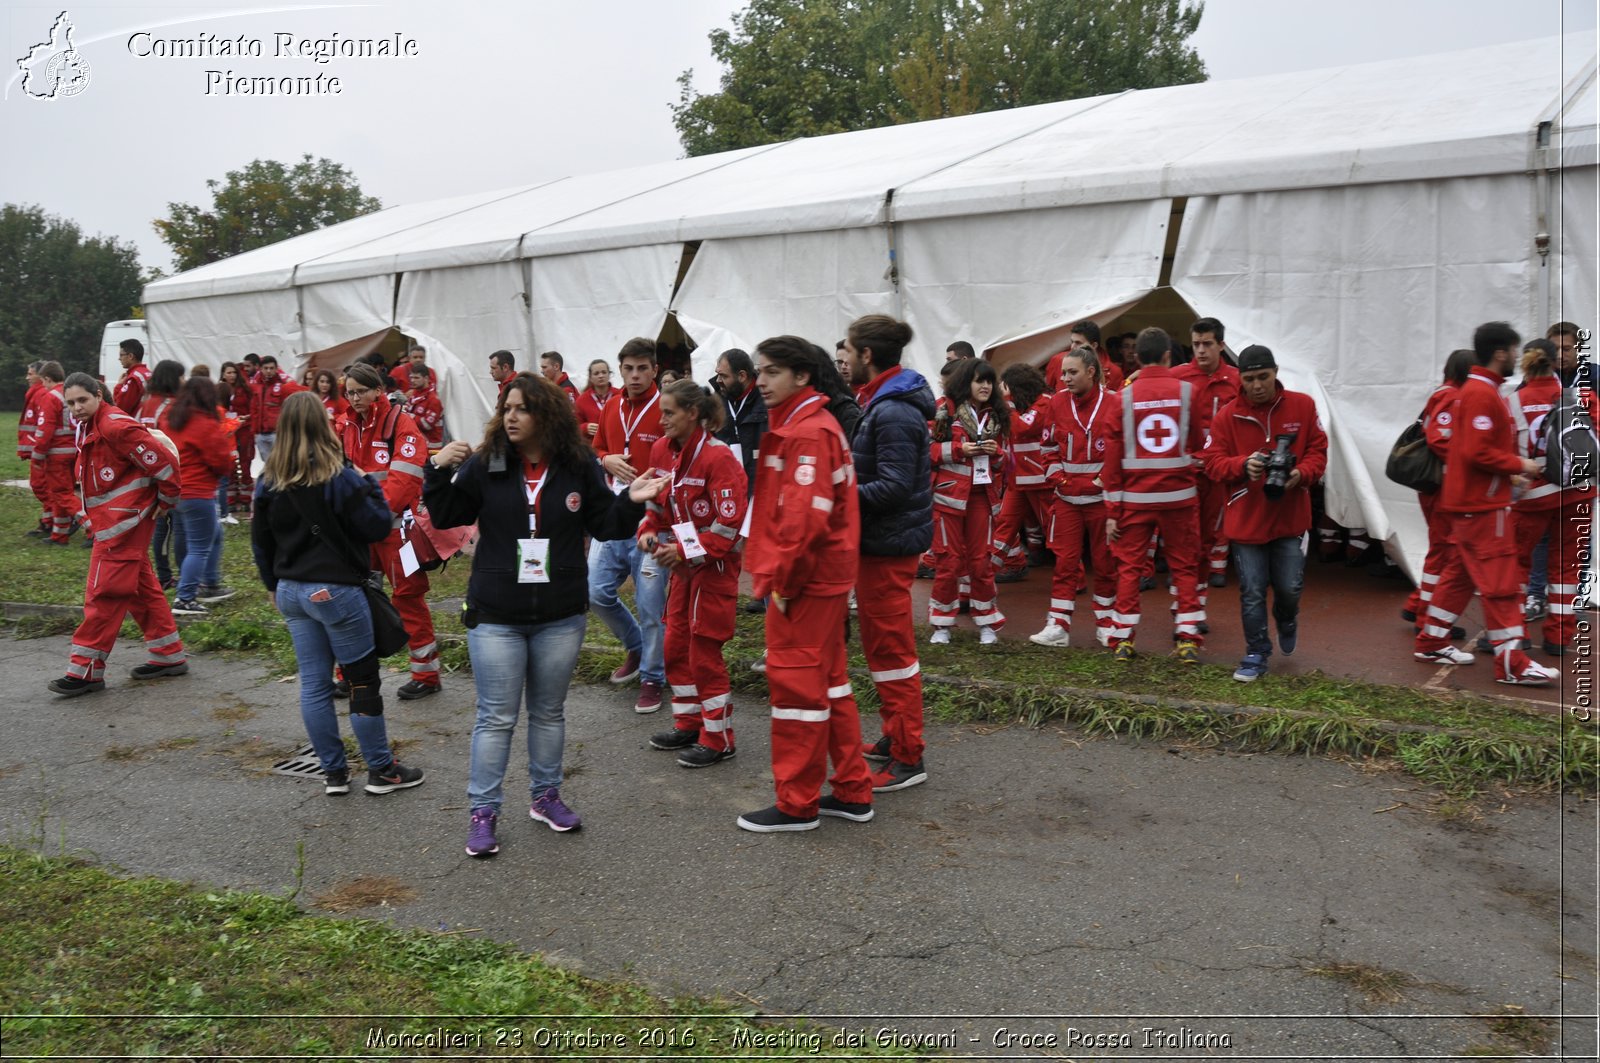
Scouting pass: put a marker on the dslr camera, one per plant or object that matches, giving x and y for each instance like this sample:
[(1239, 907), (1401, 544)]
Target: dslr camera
[(1280, 464)]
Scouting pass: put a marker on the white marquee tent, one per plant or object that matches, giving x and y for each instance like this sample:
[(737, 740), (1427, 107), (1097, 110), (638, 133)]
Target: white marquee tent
[(1358, 220)]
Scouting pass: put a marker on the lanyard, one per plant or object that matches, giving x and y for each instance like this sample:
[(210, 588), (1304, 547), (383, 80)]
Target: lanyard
[(629, 428), (739, 409), (796, 411), (688, 467), (1088, 436), (534, 488), (982, 420)]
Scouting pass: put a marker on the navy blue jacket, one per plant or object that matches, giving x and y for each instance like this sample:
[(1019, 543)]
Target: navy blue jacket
[(348, 510), (893, 468)]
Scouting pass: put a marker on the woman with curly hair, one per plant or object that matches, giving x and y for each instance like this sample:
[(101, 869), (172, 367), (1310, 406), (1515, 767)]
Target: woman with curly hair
[(535, 489), (968, 434)]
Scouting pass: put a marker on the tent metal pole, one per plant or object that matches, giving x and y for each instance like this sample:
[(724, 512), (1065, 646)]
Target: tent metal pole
[(893, 272)]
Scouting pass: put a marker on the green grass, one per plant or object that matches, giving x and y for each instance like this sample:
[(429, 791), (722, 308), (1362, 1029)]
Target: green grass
[(11, 466), (98, 965), (1460, 741)]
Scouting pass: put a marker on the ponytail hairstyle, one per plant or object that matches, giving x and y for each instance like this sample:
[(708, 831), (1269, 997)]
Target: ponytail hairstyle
[(1538, 359), (791, 352), (1459, 365), (707, 407), (1091, 361)]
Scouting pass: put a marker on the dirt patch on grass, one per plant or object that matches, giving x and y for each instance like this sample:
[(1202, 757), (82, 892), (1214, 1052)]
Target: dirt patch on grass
[(367, 891)]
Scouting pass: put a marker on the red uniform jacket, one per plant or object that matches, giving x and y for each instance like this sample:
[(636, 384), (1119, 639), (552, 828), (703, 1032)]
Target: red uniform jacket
[(630, 427), (402, 375), (338, 408), (1242, 429), (124, 475), (129, 391), (54, 436), (1028, 448), (153, 410), (1483, 449), (709, 490), (269, 396), (1080, 429), (1530, 405), (1150, 457), (240, 399), (805, 529), (1213, 391), (426, 409), (205, 454), (1438, 419), (589, 409), (386, 444), (566, 384), (28, 425), (953, 468)]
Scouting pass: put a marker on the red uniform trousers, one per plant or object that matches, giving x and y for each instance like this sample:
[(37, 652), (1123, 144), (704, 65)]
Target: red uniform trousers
[(39, 484), (1213, 545), (58, 483), (883, 609), (240, 486), (121, 582), (1180, 537), (410, 600), (1483, 558), (961, 541), (1438, 551), (701, 603), (1070, 524), (814, 717), (1021, 508), (1567, 525)]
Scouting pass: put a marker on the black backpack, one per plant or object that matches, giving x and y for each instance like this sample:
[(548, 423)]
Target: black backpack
[(1571, 448)]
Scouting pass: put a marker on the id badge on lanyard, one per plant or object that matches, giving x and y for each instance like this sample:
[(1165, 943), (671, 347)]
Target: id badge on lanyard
[(980, 462), (533, 553)]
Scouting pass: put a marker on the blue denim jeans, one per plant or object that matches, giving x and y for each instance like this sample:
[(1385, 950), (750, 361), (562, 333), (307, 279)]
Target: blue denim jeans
[(609, 564), (513, 664), (198, 532), (264, 444), (166, 543), (1539, 569), (1280, 563), (222, 497), (336, 629)]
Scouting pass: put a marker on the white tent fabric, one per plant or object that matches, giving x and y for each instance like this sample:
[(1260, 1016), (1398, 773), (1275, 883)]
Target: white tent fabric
[(738, 292), (1359, 220), (1366, 290), (993, 278), (587, 306), (461, 315), (338, 311), (224, 328)]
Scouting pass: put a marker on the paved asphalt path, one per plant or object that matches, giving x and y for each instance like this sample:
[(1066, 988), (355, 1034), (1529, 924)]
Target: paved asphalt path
[(1039, 886)]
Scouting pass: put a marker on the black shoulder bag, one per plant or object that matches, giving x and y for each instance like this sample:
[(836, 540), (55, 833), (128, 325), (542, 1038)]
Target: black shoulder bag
[(1412, 463), (388, 630)]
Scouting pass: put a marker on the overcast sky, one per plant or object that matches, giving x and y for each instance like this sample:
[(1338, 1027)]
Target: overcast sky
[(502, 94)]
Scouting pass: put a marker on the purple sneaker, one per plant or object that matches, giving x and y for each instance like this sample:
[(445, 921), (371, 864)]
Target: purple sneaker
[(549, 809), (480, 838)]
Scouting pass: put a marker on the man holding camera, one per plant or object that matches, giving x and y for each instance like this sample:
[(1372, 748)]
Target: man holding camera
[(1267, 448)]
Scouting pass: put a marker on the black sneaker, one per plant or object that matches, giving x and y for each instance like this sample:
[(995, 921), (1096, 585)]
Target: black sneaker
[(756, 605), (395, 777), (159, 671), (341, 689), (189, 607), (925, 572), (71, 686), (1011, 575), (1408, 616), (699, 756), (218, 593), (899, 776), (854, 811), (335, 783), (878, 751), (169, 584), (415, 691), (674, 739), (1554, 649), (774, 819)]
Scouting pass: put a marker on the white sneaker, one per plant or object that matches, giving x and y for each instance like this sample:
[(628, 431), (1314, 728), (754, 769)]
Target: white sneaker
[(1444, 655), (1102, 635), (1535, 675), (987, 636), (1052, 635), (940, 637), (230, 519)]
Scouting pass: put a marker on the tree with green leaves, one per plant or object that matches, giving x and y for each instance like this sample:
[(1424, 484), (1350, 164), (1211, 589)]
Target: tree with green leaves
[(261, 204), (57, 291), (800, 68)]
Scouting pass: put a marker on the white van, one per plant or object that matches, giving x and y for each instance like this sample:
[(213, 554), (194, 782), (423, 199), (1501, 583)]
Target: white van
[(115, 332)]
